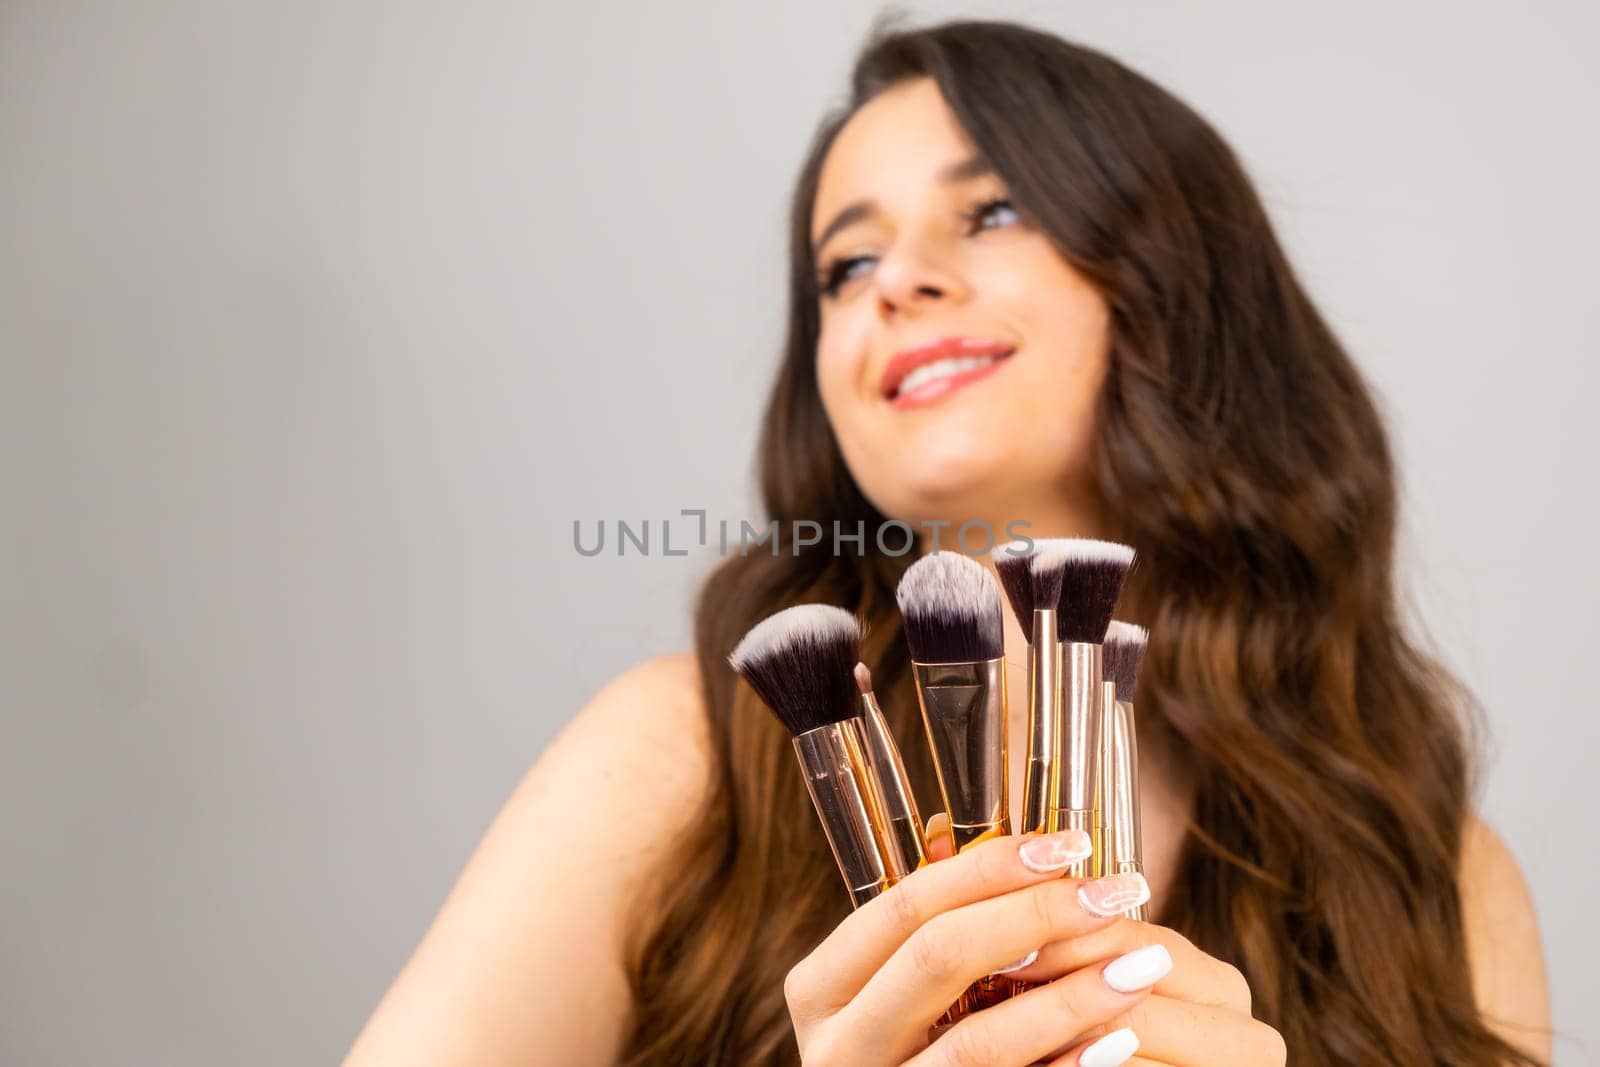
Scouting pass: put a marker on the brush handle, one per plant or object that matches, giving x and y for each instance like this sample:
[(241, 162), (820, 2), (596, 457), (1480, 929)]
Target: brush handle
[(964, 712), (1124, 847), (1082, 709), (848, 802), (904, 847), (1041, 776)]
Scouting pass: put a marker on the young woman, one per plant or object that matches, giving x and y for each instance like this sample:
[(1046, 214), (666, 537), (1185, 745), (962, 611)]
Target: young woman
[(658, 890)]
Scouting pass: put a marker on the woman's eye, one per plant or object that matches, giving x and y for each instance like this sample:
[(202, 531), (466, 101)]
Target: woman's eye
[(996, 212), (841, 271)]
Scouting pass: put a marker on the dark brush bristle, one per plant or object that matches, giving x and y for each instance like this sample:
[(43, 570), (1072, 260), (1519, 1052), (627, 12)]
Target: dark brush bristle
[(1048, 568), (951, 605), (1123, 655), (1095, 571), (1011, 563), (801, 663)]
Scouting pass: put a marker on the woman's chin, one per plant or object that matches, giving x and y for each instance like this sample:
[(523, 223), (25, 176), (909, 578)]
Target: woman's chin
[(965, 486), (941, 464)]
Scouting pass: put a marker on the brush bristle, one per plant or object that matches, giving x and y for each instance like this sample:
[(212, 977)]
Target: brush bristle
[(801, 663), (1092, 582), (952, 610), (1048, 568), (1123, 655), (863, 679), (1012, 562)]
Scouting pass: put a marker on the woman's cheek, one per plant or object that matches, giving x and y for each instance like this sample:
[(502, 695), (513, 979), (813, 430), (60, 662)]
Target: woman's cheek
[(839, 370), (831, 381)]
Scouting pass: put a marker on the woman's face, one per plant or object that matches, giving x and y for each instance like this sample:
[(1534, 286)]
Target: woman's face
[(960, 356)]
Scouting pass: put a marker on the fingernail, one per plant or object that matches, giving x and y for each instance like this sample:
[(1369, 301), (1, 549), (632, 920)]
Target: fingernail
[(1052, 852), (1139, 969), (1114, 894), (1116, 1047), (1023, 962)]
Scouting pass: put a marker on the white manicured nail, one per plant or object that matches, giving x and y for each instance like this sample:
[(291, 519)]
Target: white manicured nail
[(1114, 894), (1116, 1047), (1053, 852), (1023, 962), (1138, 969)]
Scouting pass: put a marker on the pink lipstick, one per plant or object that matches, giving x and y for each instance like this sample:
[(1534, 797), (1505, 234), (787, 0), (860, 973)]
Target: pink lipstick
[(926, 373)]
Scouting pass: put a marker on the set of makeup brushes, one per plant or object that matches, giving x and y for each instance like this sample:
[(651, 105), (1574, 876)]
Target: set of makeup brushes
[(1082, 757)]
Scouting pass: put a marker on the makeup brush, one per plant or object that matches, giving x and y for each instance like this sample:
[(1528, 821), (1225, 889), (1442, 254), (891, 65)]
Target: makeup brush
[(801, 663), (1032, 578), (1092, 580), (905, 850), (1124, 655), (955, 628), (1012, 562), (952, 612)]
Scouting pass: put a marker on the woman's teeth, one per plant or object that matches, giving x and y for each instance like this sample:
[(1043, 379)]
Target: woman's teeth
[(942, 368)]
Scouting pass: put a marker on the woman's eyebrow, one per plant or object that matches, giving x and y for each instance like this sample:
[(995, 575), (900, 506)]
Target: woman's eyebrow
[(852, 213), (959, 171), (963, 170)]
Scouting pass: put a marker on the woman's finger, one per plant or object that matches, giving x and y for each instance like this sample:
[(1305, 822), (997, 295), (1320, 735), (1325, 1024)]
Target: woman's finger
[(1114, 1048), (836, 970), (1036, 1023), (940, 845), (944, 955), (1104, 1055), (1183, 1032), (1196, 976)]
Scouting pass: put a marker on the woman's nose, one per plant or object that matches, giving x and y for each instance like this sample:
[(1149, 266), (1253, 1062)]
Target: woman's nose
[(912, 276)]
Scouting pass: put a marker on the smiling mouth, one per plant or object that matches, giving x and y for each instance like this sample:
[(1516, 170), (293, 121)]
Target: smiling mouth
[(931, 381)]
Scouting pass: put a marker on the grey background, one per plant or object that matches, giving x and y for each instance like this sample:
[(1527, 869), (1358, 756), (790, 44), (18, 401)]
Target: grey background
[(322, 322)]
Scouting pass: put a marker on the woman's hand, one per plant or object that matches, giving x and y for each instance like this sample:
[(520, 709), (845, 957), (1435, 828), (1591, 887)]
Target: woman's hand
[(1197, 1013), (870, 992)]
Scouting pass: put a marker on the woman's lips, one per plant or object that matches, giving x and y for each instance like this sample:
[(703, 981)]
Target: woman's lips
[(942, 386), (909, 360), (928, 372)]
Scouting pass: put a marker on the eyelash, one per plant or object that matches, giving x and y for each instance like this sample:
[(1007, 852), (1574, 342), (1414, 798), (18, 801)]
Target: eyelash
[(832, 275), (985, 206)]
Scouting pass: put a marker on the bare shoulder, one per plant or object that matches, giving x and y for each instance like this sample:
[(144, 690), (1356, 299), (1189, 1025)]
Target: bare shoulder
[(639, 751), (524, 962), (1503, 946), (657, 701), (626, 774)]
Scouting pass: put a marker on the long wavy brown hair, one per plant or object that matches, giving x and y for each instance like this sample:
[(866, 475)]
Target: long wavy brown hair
[(1241, 454)]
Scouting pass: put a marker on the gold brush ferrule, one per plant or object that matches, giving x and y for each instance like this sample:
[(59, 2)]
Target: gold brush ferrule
[(848, 802), (1082, 694), (1125, 849), (964, 711), (1039, 782), (1103, 782), (904, 849)]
